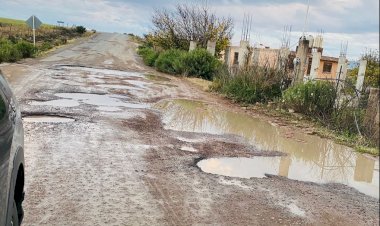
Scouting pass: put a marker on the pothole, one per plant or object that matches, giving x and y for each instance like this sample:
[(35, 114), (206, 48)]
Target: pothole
[(309, 158), (75, 99), (260, 167), (57, 103), (49, 119), (118, 87), (188, 148), (240, 167), (110, 109)]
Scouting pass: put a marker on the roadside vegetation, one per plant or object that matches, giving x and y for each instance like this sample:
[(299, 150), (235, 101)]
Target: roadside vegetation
[(16, 39), (196, 63), (342, 113)]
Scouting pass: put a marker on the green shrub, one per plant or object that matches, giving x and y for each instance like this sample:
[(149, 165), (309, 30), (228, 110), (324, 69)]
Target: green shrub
[(256, 84), (200, 63), (9, 52), (46, 46), (25, 48), (343, 120), (149, 55), (170, 61), (315, 98), (80, 29)]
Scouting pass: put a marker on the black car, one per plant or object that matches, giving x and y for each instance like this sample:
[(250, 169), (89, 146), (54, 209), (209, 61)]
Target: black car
[(11, 158)]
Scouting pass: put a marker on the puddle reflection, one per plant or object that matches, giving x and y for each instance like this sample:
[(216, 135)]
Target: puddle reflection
[(310, 158)]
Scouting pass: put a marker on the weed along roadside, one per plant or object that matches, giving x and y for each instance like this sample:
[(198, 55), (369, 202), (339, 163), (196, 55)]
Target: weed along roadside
[(16, 39)]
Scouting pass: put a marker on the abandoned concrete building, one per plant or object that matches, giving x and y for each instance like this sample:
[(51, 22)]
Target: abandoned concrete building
[(306, 62)]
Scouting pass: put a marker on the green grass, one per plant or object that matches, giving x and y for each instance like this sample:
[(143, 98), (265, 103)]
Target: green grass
[(14, 22), (18, 22)]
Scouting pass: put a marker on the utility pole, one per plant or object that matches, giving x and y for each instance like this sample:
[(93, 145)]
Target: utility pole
[(34, 33)]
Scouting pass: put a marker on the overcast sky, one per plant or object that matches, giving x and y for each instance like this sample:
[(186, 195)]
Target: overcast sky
[(352, 21)]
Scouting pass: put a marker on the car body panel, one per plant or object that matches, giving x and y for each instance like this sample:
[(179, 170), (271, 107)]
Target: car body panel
[(11, 149)]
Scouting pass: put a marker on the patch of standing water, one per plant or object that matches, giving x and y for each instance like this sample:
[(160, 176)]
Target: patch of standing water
[(100, 100), (189, 149), (118, 86), (49, 119), (240, 167), (57, 103), (139, 84), (75, 99), (104, 71), (110, 109), (310, 158)]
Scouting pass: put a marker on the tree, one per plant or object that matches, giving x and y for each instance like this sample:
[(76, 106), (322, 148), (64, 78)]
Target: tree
[(80, 29), (175, 29), (372, 73)]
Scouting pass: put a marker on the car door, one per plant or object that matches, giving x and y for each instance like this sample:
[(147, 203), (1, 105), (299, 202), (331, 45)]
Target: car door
[(6, 135)]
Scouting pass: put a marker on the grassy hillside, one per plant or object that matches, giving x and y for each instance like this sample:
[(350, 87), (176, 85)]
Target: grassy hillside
[(21, 23), (15, 36), (12, 21)]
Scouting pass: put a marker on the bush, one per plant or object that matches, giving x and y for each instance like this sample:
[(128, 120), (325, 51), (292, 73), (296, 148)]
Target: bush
[(170, 61), (149, 55), (26, 49), (315, 98), (80, 29), (46, 46), (9, 52), (343, 120), (255, 84), (200, 63)]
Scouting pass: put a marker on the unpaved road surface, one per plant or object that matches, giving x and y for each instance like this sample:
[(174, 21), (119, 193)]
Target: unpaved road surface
[(116, 164)]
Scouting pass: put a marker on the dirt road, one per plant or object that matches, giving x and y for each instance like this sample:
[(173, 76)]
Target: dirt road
[(104, 156)]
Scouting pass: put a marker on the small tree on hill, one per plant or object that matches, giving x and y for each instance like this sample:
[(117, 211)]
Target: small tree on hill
[(80, 29)]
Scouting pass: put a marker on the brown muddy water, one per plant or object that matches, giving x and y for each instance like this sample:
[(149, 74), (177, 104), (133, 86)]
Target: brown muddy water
[(310, 158)]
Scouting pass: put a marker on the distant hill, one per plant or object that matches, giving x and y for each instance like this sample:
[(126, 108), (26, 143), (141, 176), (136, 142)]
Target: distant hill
[(17, 22), (11, 21)]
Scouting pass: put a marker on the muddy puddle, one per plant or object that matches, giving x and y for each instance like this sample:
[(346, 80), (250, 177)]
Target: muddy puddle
[(75, 99), (47, 119), (99, 71), (57, 103), (310, 158)]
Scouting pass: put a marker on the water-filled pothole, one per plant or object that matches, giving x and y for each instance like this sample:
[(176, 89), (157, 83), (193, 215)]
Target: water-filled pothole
[(310, 158), (102, 71), (57, 103), (241, 167), (110, 86), (49, 119), (188, 148), (75, 99)]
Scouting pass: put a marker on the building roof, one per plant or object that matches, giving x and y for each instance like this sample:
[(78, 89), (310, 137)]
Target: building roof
[(328, 58)]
